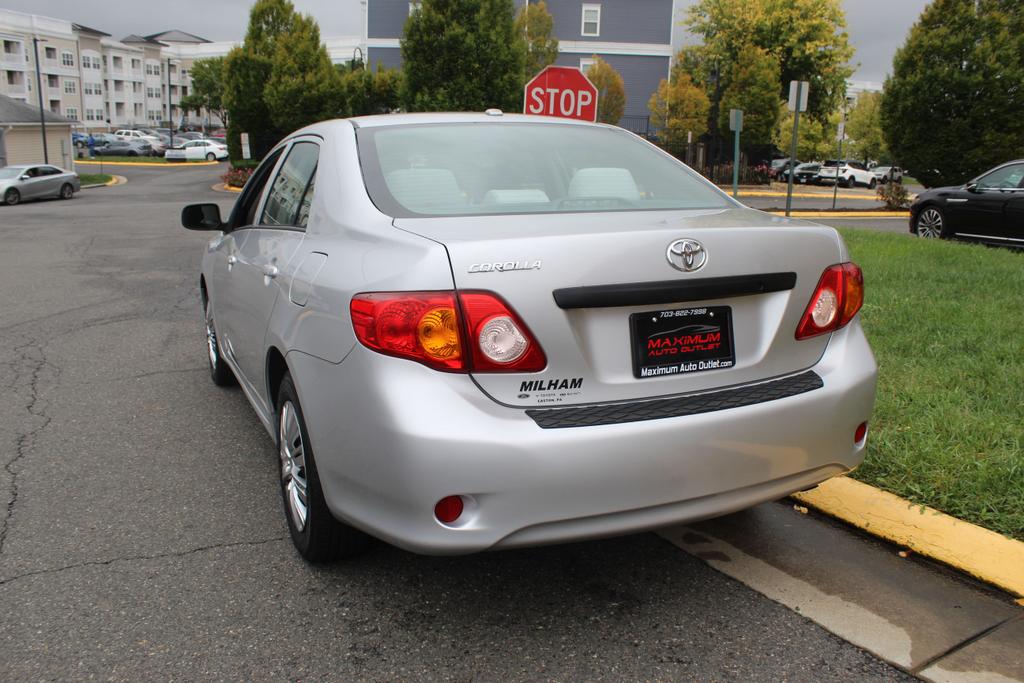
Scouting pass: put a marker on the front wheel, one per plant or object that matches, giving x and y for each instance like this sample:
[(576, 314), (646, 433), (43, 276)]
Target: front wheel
[(317, 535), (931, 224), (211, 157), (12, 197), (220, 373), (66, 191), (872, 183), (848, 183)]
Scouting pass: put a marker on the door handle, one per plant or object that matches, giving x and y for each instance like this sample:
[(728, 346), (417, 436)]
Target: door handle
[(270, 271)]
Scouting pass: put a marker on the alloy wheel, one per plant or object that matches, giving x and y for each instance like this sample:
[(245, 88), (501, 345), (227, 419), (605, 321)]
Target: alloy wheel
[(211, 336), (293, 465), (929, 224), (12, 197)]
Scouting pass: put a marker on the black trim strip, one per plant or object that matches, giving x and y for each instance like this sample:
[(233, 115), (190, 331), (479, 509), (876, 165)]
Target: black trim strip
[(676, 406), (672, 291)]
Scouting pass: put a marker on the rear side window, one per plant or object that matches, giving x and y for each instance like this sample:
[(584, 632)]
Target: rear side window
[(501, 168), (292, 192)]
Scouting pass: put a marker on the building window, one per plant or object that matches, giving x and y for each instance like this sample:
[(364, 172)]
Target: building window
[(591, 20), (51, 53), (70, 86), (86, 64), (586, 63), (53, 81), (67, 58), (136, 64), (12, 47), (184, 73), (71, 112)]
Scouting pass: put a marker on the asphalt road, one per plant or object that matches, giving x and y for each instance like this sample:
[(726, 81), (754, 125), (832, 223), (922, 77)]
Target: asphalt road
[(144, 536)]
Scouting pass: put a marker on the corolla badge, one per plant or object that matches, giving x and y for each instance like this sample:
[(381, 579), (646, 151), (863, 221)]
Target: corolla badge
[(687, 255)]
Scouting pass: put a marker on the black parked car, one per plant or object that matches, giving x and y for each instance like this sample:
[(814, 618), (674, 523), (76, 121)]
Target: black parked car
[(988, 209), (124, 148)]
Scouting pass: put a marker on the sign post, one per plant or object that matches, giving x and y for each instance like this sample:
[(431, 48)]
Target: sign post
[(841, 135), (562, 91), (797, 103), (736, 125)]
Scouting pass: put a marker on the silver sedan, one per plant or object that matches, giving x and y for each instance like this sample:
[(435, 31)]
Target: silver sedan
[(37, 181), (468, 332)]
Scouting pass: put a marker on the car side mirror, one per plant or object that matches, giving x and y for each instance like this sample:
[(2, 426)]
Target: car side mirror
[(25, 177), (202, 217), (971, 187)]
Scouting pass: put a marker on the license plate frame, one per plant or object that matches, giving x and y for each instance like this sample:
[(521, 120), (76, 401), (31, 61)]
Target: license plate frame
[(680, 341)]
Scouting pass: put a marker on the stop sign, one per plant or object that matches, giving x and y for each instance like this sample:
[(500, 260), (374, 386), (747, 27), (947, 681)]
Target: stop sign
[(561, 91)]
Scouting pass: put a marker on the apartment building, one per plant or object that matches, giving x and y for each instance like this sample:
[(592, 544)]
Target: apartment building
[(634, 36), (59, 81)]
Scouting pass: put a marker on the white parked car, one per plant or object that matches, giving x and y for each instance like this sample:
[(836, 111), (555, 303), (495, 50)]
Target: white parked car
[(886, 174), (130, 134), (850, 173), (197, 150)]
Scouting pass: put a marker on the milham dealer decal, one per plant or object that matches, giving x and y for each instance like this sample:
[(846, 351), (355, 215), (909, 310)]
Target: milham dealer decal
[(551, 390)]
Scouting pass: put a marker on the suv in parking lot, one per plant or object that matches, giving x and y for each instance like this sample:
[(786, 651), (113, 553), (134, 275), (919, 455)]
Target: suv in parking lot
[(849, 173)]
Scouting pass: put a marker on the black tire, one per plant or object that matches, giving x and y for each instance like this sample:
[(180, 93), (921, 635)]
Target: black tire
[(930, 223), (871, 185), (66, 191), (132, 153), (848, 182), (12, 197), (211, 157), (322, 538), (220, 373)]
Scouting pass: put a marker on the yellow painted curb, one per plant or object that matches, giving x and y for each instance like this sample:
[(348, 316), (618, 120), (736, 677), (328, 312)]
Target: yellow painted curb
[(984, 554), (224, 187), (843, 214), (185, 164), (807, 195)]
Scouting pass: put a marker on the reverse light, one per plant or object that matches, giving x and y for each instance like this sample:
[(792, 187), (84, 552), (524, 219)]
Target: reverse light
[(477, 332), (836, 299)]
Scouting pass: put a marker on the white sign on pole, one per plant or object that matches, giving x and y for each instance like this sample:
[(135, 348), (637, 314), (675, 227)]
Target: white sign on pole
[(246, 153), (804, 88), (841, 134), (736, 119), (689, 137)]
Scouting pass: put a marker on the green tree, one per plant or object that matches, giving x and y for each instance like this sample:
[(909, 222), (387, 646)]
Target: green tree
[(678, 107), (207, 88), (864, 129), (806, 37), (611, 91), (754, 88), (462, 55), (304, 86), (247, 69), (536, 26), (816, 139), (370, 92), (952, 107)]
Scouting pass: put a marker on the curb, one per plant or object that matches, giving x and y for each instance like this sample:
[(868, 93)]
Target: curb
[(186, 164), (221, 187), (843, 214), (985, 555), (114, 180)]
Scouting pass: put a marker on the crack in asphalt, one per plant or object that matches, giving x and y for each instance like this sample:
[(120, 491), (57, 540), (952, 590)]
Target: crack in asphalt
[(25, 441), (139, 558)]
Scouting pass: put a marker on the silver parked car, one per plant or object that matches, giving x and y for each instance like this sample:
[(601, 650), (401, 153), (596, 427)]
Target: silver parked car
[(37, 181), (468, 332)]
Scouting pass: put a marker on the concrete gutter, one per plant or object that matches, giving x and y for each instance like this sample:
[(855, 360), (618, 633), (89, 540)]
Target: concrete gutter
[(983, 554)]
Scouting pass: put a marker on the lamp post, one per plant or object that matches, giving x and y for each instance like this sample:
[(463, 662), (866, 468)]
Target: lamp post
[(357, 60), (39, 88), (170, 122)]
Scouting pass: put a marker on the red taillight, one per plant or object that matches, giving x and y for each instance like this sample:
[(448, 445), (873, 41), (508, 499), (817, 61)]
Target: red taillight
[(861, 433), (836, 299), (480, 334), (449, 509)]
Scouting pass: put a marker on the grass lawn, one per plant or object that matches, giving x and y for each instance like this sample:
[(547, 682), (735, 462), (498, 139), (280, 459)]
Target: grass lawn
[(94, 178), (946, 322)]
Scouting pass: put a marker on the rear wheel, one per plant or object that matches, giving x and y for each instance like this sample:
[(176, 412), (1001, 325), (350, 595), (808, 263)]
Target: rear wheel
[(211, 157), (66, 191), (317, 535), (848, 182), (872, 183), (931, 224), (132, 153), (12, 197)]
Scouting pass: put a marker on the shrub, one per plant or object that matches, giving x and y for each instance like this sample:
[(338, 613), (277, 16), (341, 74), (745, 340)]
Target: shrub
[(894, 196), (236, 177)]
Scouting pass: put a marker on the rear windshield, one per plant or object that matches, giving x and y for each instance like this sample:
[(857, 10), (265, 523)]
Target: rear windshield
[(502, 168)]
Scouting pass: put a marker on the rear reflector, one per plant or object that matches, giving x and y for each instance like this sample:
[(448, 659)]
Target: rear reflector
[(448, 509), (861, 433), (836, 299), (478, 332)]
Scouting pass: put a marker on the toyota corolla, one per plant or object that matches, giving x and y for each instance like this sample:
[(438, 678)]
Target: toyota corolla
[(469, 332)]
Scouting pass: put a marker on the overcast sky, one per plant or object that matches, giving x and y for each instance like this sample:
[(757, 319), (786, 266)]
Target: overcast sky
[(877, 27)]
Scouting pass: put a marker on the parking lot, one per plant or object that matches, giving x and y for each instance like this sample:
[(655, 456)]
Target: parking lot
[(144, 536)]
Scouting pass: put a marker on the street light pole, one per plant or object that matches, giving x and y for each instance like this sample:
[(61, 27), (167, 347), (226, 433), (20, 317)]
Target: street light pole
[(170, 124), (39, 88)]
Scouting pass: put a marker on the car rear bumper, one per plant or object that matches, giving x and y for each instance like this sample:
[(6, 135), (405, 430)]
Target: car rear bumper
[(392, 438)]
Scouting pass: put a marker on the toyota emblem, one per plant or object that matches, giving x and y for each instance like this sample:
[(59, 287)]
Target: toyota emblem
[(687, 255)]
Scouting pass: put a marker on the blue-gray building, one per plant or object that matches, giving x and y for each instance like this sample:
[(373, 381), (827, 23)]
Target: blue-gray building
[(634, 36)]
